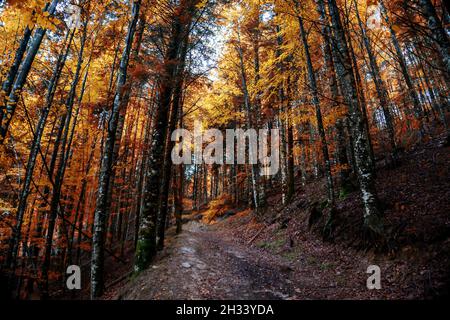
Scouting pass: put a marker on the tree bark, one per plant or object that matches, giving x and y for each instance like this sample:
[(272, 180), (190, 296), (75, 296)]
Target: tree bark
[(146, 246), (341, 149), (401, 59), (12, 73), (372, 214), (316, 103), (380, 86), (439, 35), (254, 171), (174, 117), (101, 213)]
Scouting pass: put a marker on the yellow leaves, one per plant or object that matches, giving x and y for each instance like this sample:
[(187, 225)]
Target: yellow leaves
[(217, 208), (397, 29), (46, 21), (202, 4), (3, 96), (335, 114), (6, 206), (336, 168), (59, 109), (21, 14)]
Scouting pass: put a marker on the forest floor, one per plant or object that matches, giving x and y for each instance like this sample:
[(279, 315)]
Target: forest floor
[(228, 253), (202, 263)]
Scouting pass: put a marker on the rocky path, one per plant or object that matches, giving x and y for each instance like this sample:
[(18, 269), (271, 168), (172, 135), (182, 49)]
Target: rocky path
[(203, 264)]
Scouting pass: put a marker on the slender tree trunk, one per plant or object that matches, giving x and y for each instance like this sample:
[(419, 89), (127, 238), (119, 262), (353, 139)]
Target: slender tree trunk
[(125, 101), (12, 73), (439, 34), (146, 247), (401, 59), (290, 160), (261, 192), (101, 213), (316, 103), (380, 86), (35, 148), (254, 172), (372, 215), (65, 152), (280, 124), (144, 165), (341, 149), (174, 117)]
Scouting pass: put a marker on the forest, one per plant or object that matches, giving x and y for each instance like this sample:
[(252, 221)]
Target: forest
[(349, 100)]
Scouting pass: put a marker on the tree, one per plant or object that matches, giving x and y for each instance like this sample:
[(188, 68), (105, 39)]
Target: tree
[(101, 212), (344, 68)]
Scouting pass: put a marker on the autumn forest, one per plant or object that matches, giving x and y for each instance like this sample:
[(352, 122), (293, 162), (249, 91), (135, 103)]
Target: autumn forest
[(99, 98)]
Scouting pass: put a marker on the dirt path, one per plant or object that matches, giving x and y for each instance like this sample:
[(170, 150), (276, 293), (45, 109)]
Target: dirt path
[(287, 259), (201, 264)]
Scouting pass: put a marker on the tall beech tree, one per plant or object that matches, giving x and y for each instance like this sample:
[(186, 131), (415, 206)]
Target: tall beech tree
[(101, 211), (147, 241), (344, 69)]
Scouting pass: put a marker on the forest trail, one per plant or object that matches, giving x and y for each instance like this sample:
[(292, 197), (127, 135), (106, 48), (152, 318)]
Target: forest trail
[(202, 263), (229, 253)]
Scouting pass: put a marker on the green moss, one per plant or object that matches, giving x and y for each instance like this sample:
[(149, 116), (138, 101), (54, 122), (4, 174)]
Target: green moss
[(261, 244), (273, 245), (145, 251), (346, 189), (326, 265), (291, 256), (311, 260), (324, 204)]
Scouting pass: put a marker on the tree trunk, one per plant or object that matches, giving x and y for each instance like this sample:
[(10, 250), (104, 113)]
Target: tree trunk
[(101, 213), (401, 59), (380, 86), (146, 247), (281, 126), (12, 73), (316, 103), (439, 35), (65, 151), (123, 111), (372, 215), (254, 172), (329, 58), (174, 117)]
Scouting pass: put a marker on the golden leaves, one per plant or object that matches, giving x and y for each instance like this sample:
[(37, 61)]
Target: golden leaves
[(21, 14), (202, 4)]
